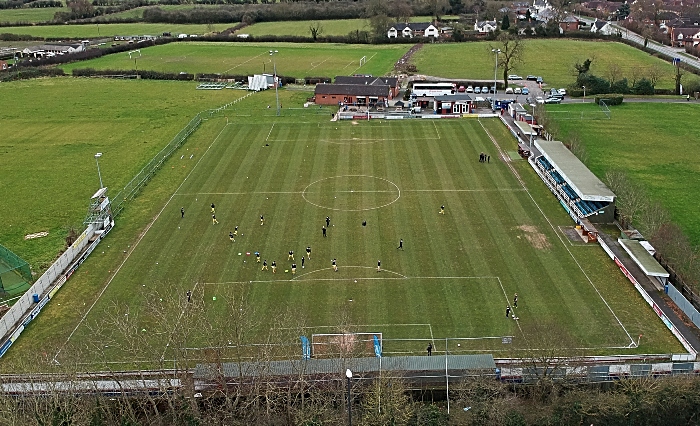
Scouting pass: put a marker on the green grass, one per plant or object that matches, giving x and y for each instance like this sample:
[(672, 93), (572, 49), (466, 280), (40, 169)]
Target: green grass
[(39, 14), (656, 144), (334, 27), (551, 59), (298, 60), (460, 269), (49, 140), (110, 30)]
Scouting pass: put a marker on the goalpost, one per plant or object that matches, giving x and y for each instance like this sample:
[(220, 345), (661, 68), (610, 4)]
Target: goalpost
[(363, 60)]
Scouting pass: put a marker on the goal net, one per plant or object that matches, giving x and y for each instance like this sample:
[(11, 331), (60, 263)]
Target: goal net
[(363, 60), (15, 274), (344, 345)]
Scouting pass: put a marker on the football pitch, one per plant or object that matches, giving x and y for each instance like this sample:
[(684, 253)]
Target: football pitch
[(378, 182)]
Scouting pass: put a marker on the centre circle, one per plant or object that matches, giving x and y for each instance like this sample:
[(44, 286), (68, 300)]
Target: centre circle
[(351, 193)]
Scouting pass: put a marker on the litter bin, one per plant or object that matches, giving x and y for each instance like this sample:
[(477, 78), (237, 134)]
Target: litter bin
[(35, 297)]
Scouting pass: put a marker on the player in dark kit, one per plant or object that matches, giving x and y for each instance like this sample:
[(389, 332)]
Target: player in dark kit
[(302, 262), (400, 247), (507, 311), (182, 211), (328, 221), (262, 220), (379, 266), (323, 229)]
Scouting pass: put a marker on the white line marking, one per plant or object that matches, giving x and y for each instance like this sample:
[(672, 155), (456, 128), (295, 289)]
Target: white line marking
[(270, 132), (566, 247), (138, 241)]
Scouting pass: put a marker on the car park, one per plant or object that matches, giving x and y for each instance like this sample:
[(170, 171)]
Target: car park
[(509, 91), (514, 77), (477, 89), (470, 89), (532, 77), (526, 91), (517, 90)]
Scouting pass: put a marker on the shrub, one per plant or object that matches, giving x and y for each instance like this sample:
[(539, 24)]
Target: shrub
[(643, 87), (610, 99)]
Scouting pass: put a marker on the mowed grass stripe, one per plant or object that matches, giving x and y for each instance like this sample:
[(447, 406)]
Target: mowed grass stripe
[(476, 238)]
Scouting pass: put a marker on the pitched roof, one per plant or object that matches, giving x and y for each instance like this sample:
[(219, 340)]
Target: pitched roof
[(352, 79), (453, 98), (414, 26), (352, 89), (600, 24)]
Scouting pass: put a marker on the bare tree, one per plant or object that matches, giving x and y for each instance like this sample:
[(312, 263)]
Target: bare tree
[(613, 72), (654, 73), (631, 198), (401, 10), (512, 50), (316, 30), (576, 146), (437, 7)]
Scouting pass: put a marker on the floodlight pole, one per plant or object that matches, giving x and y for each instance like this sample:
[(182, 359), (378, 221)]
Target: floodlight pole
[(495, 71), (584, 93), (348, 374), (98, 155), (274, 69)]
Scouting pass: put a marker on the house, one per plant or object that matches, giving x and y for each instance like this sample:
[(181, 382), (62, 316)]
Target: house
[(3, 65), (52, 50), (352, 94), (485, 27), (413, 29), (392, 82), (569, 23), (603, 27), (453, 104), (684, 36)]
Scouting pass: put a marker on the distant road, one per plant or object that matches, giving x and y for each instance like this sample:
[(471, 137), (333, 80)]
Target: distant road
[(671, 52)]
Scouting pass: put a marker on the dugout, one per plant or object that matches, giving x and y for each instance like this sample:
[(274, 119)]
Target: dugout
[(579, 191), (644, 259)]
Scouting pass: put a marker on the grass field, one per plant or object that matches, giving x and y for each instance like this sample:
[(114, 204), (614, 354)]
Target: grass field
[(551, 59), (292, 59), (50, 137), (301, 28), (110, 30), (454, 278), (38, 14), (655, 144)]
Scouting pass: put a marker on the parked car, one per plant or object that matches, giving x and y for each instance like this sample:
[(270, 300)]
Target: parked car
[(553, 92), (514, 77), (509, 91), (517, 90), (477, 89), (553, 100), (526, 91), (532, 77), (540, 80), (484, 89), (470, 89), (461, 89), (562, 92), (539, 100)]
